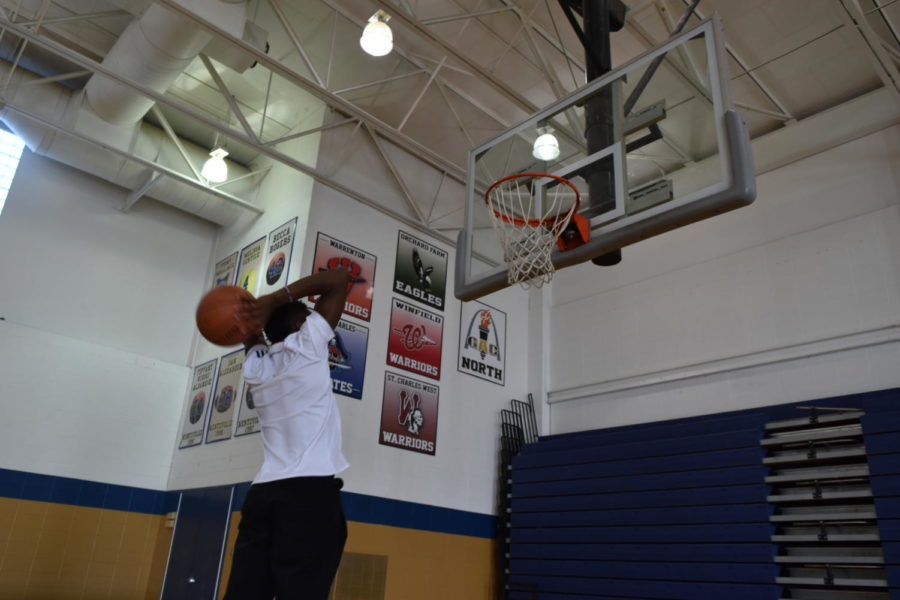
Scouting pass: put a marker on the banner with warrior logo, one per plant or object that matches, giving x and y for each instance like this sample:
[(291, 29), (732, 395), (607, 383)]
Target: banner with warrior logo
[(415, 339), (333, 254), (482, 342), (278, 257), (222, 413), (195, 411), (347, 358), (420, 272), (409, 413), (248, 418)]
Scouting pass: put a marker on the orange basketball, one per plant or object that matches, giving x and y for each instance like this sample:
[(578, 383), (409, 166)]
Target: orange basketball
[(216, 315)]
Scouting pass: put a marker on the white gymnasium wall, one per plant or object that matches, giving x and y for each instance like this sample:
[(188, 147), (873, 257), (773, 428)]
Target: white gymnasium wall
[(461, 474), (285, 193), (794, 298), (98, 326)]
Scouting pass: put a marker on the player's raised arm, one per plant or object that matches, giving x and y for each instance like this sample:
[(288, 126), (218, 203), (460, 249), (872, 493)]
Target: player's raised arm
[(332, 287)]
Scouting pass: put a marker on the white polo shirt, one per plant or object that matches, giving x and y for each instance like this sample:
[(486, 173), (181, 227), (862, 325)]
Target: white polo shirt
[(291, 386)]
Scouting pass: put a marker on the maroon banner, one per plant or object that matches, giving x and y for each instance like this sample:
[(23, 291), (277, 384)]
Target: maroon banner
[(331, 254), (409, 414), (415, 339)]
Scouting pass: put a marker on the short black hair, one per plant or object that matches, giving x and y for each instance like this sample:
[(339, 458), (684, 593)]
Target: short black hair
[(285, 320)]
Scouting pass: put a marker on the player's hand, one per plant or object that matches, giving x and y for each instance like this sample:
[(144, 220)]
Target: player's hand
[(255, 312)]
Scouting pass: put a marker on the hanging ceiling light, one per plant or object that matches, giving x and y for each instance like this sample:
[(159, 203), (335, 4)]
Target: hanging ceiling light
[(215, 169), (546, 146), (377, 38)]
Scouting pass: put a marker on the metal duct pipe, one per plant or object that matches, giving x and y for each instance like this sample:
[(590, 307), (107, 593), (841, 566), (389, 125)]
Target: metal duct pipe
[(154, 50), (57, 104)]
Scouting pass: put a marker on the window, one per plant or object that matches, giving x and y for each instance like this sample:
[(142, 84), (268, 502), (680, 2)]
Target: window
[(10, 152)]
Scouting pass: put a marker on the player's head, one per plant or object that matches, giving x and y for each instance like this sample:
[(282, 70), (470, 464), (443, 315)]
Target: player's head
[(285, 320)]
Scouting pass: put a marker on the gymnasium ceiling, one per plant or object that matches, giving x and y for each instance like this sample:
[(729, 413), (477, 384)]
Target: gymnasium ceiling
[(461, 72)]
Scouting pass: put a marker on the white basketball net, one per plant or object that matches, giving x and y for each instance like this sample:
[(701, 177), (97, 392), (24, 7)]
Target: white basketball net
[(528, 238)]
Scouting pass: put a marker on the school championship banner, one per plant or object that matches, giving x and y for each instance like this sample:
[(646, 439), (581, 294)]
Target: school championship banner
[(409, 413), (222, 413), (225, 270), (248, 419), (482, 342), (198, 394), (347, 358), (420, 272), (249, 265), (332, 254), (278, 256), (415, 339)]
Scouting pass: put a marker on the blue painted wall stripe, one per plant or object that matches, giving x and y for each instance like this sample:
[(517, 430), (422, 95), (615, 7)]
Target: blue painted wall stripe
[(358, 507)]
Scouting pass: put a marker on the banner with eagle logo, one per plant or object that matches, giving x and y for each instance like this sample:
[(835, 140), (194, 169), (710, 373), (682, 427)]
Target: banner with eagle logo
[(420, 272)]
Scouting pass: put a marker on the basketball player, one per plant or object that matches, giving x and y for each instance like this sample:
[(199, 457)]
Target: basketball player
[(292, 529)]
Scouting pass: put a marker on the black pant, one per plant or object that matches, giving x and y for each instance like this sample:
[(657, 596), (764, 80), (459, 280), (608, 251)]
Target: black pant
[(290, 540)]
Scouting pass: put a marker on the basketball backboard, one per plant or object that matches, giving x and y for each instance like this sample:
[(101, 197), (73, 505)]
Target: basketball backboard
[(662, 148)]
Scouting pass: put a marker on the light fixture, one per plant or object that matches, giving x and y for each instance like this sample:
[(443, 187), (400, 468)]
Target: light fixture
[(377, 38), (215, 169), (546, 146)]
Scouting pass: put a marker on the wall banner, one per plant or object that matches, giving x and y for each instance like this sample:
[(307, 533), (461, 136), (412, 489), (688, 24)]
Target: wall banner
[(225, 269), (331, 254), (347, 358), (249, 265), (248, 419), (420, 271), (409, 413), (482, 342), (195, 410), (278, 256), (415, 339), (227, 385)]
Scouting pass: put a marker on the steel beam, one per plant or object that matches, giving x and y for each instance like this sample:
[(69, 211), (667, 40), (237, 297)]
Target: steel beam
[(137, 194), (260, 173), (763, 111), (202, 117), (300, 134), (175, 140), (152, 165), (361, 86), (450, 18), (408, 21), (421, 95), (407, 196), (852, 14), (295, 40), (427, 154), (54, 78), (70, 18), (773, 98), (232, 103)]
